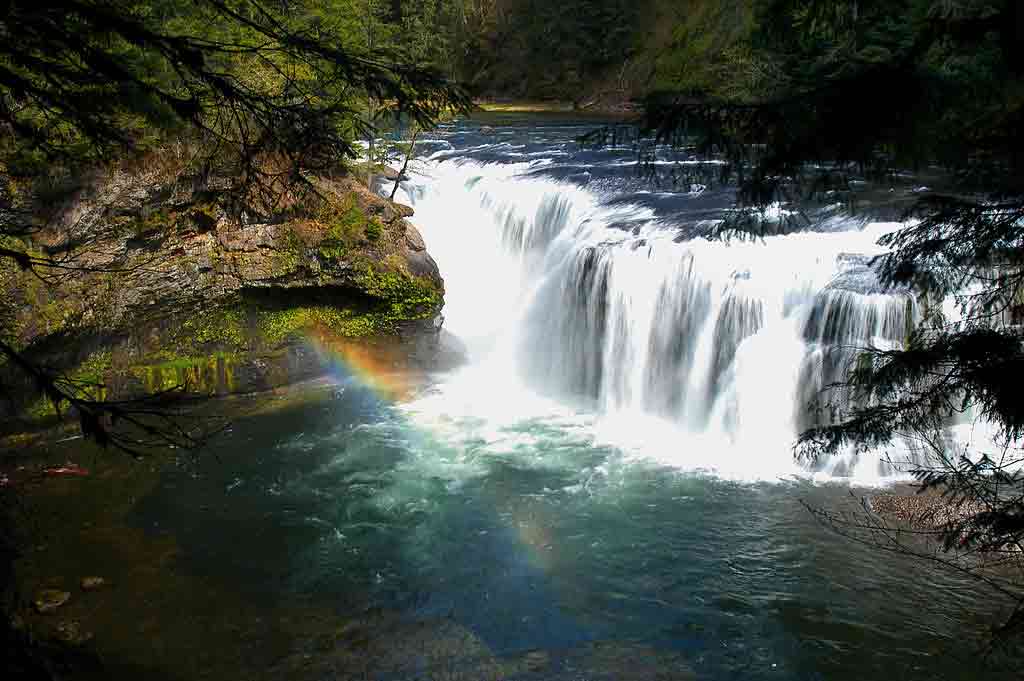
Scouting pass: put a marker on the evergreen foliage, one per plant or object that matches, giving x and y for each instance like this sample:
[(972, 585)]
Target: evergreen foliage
[(85, 81)]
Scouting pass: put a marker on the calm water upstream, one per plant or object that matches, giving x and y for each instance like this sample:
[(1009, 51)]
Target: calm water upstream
[(606, 488)]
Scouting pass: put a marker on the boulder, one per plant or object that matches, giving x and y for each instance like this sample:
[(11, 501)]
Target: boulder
[(49, 600), (72, 633), (181, 289), (92, 583)]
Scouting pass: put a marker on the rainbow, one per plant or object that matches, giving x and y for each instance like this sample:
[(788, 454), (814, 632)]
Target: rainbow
[(380, 366), (376, 365)]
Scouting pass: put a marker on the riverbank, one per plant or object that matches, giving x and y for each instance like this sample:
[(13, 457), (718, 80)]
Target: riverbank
[(597, 108), (927, 509), (931, 519)]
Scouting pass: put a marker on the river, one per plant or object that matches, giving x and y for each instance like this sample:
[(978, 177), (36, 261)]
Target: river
[(606, 488)]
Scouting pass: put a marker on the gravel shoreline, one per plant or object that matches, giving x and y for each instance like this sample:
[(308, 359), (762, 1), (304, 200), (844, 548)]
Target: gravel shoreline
[(928, 509), (932, 515)]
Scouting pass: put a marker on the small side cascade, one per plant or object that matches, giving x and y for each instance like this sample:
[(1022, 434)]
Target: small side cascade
[(840, 327)]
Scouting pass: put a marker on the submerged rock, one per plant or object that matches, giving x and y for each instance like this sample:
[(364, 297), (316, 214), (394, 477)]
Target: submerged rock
[(386, 645), (623, 661), (92, 583), (537, 660), (49, 600), (71, 632)]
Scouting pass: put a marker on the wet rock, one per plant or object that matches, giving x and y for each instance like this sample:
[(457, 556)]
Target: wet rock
[(92, 583), (537, 660), (622, 661), (633, 226), (403, 211), (347, 264), (48, 600), (71, 632), (392, 174), (382, 645), (414, 240)]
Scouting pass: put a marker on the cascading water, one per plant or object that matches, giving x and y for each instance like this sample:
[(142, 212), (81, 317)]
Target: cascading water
[(598, 304)]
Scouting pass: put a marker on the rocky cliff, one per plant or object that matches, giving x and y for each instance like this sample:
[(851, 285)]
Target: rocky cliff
[(166, 283)]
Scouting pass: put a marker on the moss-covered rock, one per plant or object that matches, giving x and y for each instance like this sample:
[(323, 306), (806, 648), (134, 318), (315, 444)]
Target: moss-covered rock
[(174, 290)]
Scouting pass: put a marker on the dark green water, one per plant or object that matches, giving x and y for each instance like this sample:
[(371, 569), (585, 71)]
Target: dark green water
[(535, 538)]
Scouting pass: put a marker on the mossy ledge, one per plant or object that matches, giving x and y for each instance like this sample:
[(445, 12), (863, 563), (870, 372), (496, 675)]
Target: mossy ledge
[(177, 292)]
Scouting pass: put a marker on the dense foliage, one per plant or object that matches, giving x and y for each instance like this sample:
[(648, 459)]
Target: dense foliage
[(85, 81)]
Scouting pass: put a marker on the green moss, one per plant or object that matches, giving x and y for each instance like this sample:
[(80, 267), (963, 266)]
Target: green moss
[(94, 368), (289, 255), (406, 296), (48, 312), (332, 251), (224, 328), (278, 326), (154, 224), (41, 410), (171, 362), (87, 381), (205, 375), (14, 243), (347, 226), (200, 354), (348, 222), (374, 229)]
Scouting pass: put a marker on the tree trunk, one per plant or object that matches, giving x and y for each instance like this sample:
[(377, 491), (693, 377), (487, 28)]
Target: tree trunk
[(405, 165)]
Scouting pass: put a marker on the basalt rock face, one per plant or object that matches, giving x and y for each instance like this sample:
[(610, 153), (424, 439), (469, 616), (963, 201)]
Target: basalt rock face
[(166, 283)]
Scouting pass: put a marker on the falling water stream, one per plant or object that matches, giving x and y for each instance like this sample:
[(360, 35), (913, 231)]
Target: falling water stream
[(612, 465), (708, 355)]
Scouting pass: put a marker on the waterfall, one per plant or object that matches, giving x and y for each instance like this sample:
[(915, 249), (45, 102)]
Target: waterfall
[(603, 306)]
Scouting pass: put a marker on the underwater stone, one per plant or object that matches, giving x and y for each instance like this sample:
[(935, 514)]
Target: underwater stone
[(48, 600), (71, 632), (92, 583)]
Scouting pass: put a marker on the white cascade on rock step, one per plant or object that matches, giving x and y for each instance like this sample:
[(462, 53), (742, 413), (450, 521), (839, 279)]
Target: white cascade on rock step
[(702, 354)]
